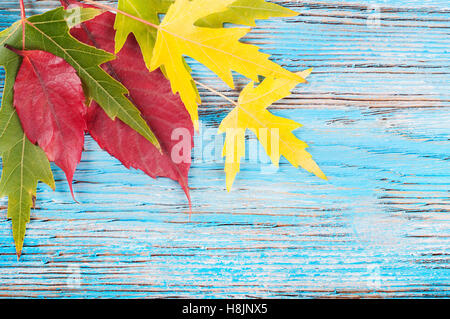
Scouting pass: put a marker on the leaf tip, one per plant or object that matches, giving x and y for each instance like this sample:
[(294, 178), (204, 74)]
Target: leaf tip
[(158, 147), (229, 182), (304, 74), (70, 181), (19, 247), (196, 124), (190, 209), (290, 13), (321, 175)]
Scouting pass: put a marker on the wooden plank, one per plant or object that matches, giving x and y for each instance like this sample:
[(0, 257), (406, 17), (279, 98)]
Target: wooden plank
[(376, 116)]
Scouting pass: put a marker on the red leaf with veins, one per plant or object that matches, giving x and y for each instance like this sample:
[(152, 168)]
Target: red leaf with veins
[(50, 102), (151, 94)]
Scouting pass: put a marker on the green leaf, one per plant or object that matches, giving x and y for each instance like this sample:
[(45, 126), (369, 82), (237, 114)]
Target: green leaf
[(145, 35), (49, 32), (245, 12), (24, 164)]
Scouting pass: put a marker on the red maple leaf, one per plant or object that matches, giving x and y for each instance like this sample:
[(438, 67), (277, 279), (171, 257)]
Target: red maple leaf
[(151, 93), (50, 103)]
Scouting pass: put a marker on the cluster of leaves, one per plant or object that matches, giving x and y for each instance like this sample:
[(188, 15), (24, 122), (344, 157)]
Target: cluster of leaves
[(122, 78)]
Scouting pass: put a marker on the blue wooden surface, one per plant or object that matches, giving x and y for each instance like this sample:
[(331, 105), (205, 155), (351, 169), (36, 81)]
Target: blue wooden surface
[(376, 115)]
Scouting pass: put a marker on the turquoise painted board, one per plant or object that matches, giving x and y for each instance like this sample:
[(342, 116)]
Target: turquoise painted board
[(376, 114)]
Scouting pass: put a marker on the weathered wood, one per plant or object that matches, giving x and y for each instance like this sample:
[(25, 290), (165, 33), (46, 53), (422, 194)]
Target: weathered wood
[(376, 116)]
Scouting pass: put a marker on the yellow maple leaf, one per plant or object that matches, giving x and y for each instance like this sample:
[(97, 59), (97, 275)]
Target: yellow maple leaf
[(219, 49), (274, 132)]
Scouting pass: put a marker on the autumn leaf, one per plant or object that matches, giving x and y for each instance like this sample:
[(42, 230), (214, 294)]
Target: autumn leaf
[(272, 131), (49, 100), (245, 12), (217, 13), (24, 164), (49, 32), (151, 93), (218, 49)]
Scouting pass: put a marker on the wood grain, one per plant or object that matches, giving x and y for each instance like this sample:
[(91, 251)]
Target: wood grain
[(376, 117)]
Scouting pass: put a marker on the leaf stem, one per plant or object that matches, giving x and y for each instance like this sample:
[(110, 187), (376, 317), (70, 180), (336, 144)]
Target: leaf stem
[(23, 19), (106, 7)]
